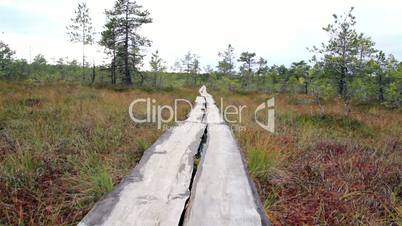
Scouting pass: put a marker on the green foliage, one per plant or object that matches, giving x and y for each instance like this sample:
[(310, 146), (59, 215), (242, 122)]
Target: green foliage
[(157, 66), (190, 64), (393, 95), (301, 71), (262, 66), (353, 73), (322, 89), (362, 90), (80, 29), (100, 182), (248, 60), (142, 145), (334, 121), (6, 55), (39, 60), (260, 162), (122, 40), (346, 53), (227, 64)]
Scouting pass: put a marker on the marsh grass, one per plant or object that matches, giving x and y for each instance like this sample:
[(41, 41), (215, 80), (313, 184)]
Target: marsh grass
[(324, 169), (260, 162), (63, 146)]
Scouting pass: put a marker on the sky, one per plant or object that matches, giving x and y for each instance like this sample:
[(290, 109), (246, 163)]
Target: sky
[(277, 30)]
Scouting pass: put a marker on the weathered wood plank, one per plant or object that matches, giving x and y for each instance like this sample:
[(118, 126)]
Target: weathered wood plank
[(222, 192), (156, 191)]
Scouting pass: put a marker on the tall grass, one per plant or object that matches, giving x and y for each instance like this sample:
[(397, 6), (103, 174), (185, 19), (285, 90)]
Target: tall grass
[(63, 146), (260, 162), (324, 169)]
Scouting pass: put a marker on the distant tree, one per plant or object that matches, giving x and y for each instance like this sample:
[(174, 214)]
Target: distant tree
[(61, 67), (393, 91), (129, 18), (73, 63), (195, 65), (248, 61), (226, 65), (262, 66), (60, 62), (39, 60), (157, 66), (81, 30), (382, 68), (247, 68), (345, 53), (280, 77), (187, 62), (283, 72), (196, 68), (191, 64), (177, 66), (301, 70), (19, 69), (208, 69), (6, 56)]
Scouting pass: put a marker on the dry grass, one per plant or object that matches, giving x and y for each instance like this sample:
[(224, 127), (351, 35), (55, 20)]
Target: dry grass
[(63, 146), (324, 170)]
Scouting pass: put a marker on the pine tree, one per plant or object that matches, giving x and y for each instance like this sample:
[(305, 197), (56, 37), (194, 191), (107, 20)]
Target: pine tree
[(157, 66), (262, 66), (81, 30), (130, 17), (345, 53), (247, 68), (248, 62), (227, 65)]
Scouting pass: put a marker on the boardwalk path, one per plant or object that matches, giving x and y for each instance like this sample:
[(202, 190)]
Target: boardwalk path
[(167, 188)]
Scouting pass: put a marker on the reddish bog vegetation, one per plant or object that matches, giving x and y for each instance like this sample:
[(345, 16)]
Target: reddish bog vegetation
[(336, 184), (325, 169)]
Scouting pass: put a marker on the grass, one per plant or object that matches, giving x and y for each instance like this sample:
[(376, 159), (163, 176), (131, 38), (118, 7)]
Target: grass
[(260, 162), (328, 169), (63, 146)]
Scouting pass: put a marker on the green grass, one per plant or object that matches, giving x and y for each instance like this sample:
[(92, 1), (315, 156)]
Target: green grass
[(260, 162), (95, 173)]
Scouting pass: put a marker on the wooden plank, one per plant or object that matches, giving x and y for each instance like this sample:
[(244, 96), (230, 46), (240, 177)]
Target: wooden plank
[(222, 193), (156, 191)]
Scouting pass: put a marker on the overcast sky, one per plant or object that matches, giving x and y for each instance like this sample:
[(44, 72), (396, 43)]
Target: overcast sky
[(278, 30)]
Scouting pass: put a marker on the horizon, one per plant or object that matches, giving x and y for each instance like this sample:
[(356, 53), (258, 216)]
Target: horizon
[(39, 28)]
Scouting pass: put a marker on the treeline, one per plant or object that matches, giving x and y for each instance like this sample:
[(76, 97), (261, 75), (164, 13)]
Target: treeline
[(347, 65)]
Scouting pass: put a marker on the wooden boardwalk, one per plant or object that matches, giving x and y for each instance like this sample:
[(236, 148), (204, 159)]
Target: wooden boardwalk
[(167, 188)]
